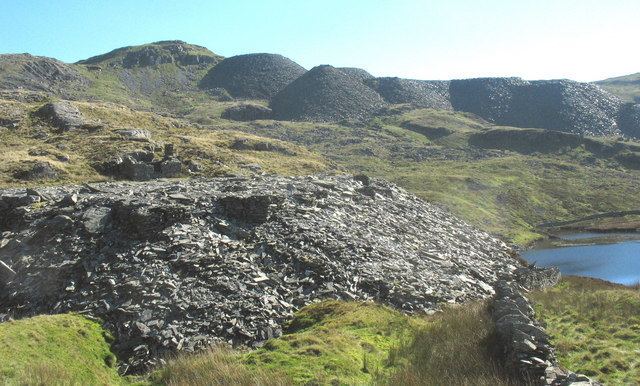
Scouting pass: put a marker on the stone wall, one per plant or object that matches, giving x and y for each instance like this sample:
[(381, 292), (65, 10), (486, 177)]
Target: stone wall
[(526, 346)]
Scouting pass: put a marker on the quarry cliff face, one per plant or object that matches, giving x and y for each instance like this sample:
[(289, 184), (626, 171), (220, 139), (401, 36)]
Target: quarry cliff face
[(176, 265)]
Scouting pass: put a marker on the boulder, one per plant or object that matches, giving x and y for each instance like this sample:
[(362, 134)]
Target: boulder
[(62, 114)]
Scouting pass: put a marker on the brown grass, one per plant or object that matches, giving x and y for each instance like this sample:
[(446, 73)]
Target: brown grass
[(219, 366), (457, 348)]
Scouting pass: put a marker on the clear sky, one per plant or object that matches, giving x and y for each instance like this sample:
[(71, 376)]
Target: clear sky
[(425, 39)]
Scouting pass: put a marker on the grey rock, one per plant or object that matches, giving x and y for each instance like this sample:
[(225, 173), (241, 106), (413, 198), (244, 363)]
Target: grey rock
[(38, 171), (62, 114)]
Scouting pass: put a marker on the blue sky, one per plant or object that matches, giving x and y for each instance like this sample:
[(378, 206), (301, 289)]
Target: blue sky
[(578, 39)]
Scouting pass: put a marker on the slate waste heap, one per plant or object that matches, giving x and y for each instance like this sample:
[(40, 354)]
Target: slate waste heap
[(172, 265)]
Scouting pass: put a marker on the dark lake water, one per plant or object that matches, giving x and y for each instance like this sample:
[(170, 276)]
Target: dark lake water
[(612, 257)]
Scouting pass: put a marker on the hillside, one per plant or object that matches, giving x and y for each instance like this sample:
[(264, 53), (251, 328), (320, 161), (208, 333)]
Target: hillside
[(305, 227), (625, 87), (499, 178)]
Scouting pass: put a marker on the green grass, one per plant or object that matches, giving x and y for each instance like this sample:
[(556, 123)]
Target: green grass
[(337, 342), (595, 327), (355, 343), (56, 349)]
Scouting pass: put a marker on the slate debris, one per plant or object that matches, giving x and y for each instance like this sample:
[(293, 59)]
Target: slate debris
[(179, 265), (357, 73), (326, 94), (629, 120), (252, 76), (418, 93), (143, 166), (562, 105)]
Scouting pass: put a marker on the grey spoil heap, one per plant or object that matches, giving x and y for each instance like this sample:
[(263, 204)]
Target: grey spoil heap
[(177, 265)]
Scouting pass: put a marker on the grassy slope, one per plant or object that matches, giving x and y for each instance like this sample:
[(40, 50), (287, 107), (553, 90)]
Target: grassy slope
[(49, 349), (595, 327), (625, 87), (348, 343), (210, 148), (502, 191)]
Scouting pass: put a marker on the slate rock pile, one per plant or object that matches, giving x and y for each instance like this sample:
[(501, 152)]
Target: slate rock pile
[(178, 265), (629, 120), (253, 76), (419, 93), (526, 345), (562, 105), (356, 73), (326, 94)]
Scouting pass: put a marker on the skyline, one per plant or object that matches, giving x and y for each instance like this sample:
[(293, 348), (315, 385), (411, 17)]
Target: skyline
[(580, 40)]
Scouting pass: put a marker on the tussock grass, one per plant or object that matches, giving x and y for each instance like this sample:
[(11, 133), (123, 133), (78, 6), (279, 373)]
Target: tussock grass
[(458, 347), (595, 326), (218, 366)]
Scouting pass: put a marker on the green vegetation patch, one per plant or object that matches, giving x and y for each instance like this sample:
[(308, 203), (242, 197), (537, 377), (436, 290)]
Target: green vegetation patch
[(56, 349), (595, 327), (338, 342)]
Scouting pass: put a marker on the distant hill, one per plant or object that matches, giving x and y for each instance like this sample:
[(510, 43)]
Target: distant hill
[(181, 79), (625, 87)]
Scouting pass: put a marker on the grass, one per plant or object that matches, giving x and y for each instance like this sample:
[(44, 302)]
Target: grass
[(458, 347), (595, 327), (210, 148), (625, 87), (501, 191), (56, 349), (355, 343), (337, 343)]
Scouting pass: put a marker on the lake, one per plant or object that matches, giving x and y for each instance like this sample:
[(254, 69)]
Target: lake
[(613, 257)]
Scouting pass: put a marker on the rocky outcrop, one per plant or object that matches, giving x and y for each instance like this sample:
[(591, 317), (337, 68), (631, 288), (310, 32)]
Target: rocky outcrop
[(418, 93), (253, 76), (142, 166), (177, 265), (247, 112), (38, 73), (37, 171), (326, 94), (61, 114), (562, 105), (526, 346)]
